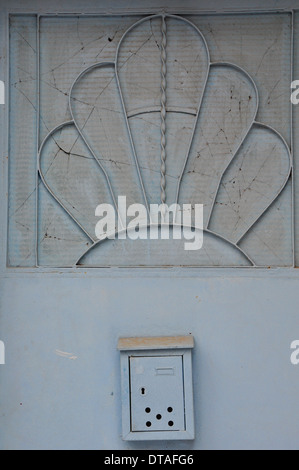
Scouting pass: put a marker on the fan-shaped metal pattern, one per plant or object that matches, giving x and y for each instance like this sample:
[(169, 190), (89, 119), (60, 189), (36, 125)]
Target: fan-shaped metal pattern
[(160, 121)]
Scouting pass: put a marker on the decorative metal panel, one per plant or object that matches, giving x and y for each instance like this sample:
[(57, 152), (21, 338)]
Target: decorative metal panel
[(161, 109)]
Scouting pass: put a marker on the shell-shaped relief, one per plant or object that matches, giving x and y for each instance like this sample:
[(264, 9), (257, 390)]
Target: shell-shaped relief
[(164, 124)]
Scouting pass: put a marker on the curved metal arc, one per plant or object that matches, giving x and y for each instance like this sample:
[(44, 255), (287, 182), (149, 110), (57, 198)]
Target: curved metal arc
[(97, 65), (67, 123), (199, 103), (191, 140), (266, 126), (124, 107), (155, 109), (177, 17), (240, 69), (161, 15), (170, 225), (270, 128), (147, 18), (233, 244), (289, 172), (88, 69)]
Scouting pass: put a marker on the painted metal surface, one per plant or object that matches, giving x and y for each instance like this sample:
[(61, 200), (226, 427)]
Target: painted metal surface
[(126, 116), (60, 384), (157, 388), (150, 396), (245, 387)]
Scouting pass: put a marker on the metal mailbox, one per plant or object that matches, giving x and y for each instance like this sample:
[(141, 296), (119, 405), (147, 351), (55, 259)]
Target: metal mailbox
[(157, 395)]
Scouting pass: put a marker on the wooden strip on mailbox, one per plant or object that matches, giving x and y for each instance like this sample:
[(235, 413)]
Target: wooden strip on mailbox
[(159, 342)]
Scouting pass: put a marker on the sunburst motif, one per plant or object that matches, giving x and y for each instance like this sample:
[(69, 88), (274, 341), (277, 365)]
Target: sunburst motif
[(214, 151)]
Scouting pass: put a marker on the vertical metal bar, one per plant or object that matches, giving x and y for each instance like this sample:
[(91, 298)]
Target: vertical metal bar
[(163, 113), (292, 144), (37, 133), (7, 109)]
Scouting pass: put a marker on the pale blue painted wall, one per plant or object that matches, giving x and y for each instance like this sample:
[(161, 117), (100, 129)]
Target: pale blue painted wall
[(246, 389)]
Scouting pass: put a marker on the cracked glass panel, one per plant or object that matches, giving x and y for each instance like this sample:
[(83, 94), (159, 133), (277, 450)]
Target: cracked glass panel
[(190, 110)]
